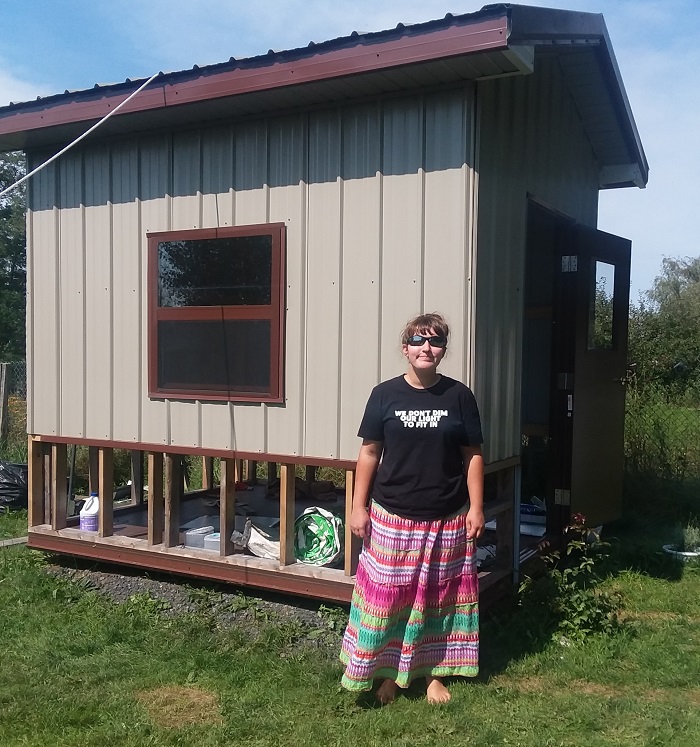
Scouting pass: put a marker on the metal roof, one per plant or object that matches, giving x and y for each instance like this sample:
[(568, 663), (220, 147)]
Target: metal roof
[(502, 39)]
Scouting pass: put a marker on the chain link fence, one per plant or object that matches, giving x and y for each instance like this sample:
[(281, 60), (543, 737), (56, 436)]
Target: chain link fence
[(18, 379), (662, 437)]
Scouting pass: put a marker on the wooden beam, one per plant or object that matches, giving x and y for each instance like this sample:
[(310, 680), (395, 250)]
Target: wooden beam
[(353, 544), (207, 473), (251, 475), (136, 477), (156, 502), (47, 484), (105, 491), (271, 472), (35, 490), (227, 504), (173, 488), (93, 469), (287, 490), (59, 487)]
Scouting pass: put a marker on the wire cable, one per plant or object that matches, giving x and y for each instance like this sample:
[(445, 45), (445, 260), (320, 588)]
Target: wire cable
[(81, 137)]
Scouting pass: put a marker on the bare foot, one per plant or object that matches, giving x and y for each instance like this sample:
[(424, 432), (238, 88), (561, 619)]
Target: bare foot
[(387, 692), (437, 692)]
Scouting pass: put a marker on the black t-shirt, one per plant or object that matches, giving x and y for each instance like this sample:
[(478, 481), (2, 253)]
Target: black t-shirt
[(421, 474)]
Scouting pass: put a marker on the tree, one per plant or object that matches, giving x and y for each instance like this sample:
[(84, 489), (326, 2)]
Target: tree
[(13, 270), (664, 338)]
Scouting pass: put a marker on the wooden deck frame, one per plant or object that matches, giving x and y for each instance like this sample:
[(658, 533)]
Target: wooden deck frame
[(50, 528)]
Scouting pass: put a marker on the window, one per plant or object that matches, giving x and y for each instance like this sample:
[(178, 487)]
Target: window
[(216, 306)]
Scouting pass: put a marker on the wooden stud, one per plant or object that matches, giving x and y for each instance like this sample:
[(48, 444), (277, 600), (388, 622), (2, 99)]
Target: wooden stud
[(287, 490), (59, 486), (105, 491), (251, 472), (310, 473), (207, 473), (227, 505), (353, 544), (156, 502), (47, 469), (173, 488), (271, 472), (93, 469), (136, 477), (35, 464)]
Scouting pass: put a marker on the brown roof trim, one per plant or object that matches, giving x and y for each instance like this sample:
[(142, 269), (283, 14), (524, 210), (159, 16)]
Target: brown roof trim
[(268, 72)]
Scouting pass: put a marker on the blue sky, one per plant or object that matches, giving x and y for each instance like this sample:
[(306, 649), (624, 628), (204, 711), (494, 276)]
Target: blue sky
[(48, 46)]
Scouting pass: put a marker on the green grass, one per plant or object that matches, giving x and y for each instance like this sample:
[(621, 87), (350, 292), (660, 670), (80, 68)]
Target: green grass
[(80, 670), (13, 524)]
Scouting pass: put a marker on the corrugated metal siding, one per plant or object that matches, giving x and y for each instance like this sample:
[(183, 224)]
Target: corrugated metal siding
[(532, 142), (376, 199)]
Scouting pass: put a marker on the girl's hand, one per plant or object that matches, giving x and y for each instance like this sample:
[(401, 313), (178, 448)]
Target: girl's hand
[(359, 522), (475, 523)]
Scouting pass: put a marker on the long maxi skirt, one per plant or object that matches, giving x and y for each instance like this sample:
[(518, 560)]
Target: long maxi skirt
[(415, 608)]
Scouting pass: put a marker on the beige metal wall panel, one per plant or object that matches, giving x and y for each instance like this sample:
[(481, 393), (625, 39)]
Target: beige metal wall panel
[(127, 303), (216, 419), (402, 226), (288, 179), (185, 416), (361, 269), (448, 146), (154, 191), (217, 178), (532, 143), (71, 274), (323, 283), (44, 334), (250, 207), (98, 295)]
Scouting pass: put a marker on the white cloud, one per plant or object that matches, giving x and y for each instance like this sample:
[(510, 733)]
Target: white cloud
[(14, 89)]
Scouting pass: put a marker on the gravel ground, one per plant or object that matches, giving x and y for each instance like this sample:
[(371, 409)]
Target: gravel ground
[(231, 606)]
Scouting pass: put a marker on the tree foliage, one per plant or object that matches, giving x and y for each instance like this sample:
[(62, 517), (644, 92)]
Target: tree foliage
[(664, 337), (13, 271)]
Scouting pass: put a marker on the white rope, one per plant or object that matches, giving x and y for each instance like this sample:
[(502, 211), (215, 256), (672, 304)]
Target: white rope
[(81, 137)]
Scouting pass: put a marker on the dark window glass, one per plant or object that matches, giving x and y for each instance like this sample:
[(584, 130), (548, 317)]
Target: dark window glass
[(231, 271), (221, 355)]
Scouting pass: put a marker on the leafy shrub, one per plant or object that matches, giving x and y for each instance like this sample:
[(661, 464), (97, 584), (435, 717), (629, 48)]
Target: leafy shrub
[(567, 597)]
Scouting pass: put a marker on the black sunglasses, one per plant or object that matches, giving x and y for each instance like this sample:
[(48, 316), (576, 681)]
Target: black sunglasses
[(435, 342)]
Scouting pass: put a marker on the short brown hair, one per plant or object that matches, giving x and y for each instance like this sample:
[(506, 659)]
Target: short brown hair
[(423, 323)]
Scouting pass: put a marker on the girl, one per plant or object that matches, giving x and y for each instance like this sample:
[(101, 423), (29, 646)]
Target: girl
[(415, 604)]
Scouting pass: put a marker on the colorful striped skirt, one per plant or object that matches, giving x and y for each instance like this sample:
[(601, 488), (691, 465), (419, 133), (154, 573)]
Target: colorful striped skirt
[(415, 606)]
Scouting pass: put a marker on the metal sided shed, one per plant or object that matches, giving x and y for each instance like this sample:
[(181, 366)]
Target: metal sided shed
[(222, 267)]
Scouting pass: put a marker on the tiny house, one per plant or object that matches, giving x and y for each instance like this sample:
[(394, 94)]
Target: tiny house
[(222, 268)]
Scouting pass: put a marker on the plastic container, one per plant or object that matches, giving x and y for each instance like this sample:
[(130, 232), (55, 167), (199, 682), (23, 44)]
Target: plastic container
[(89, 513), (211, 541), (195, 537)]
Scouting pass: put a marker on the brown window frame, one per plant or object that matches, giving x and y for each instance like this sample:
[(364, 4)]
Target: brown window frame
[(274, 312)]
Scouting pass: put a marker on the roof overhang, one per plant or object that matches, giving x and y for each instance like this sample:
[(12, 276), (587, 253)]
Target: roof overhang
[(496, 41)]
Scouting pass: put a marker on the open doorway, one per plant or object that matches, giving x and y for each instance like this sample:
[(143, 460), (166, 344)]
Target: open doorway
[(576, 298)]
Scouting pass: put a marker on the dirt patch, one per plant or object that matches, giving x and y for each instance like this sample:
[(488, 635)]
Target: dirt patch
[(593, 688), (173, 706)]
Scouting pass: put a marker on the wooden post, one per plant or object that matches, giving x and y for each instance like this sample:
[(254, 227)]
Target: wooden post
[(4, 393), (35, 464), (105, 490), (353, 544), (271, 472), (287, 489), (251, 472), (207, 473), (173, 488), (136, 477), (227, 505), (59, 491), (93, 470), (310, 473), (47, 484), (156, 503)]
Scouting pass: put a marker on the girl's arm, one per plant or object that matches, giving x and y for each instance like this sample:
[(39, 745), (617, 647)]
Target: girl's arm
[(367, 463), (474, 470)]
